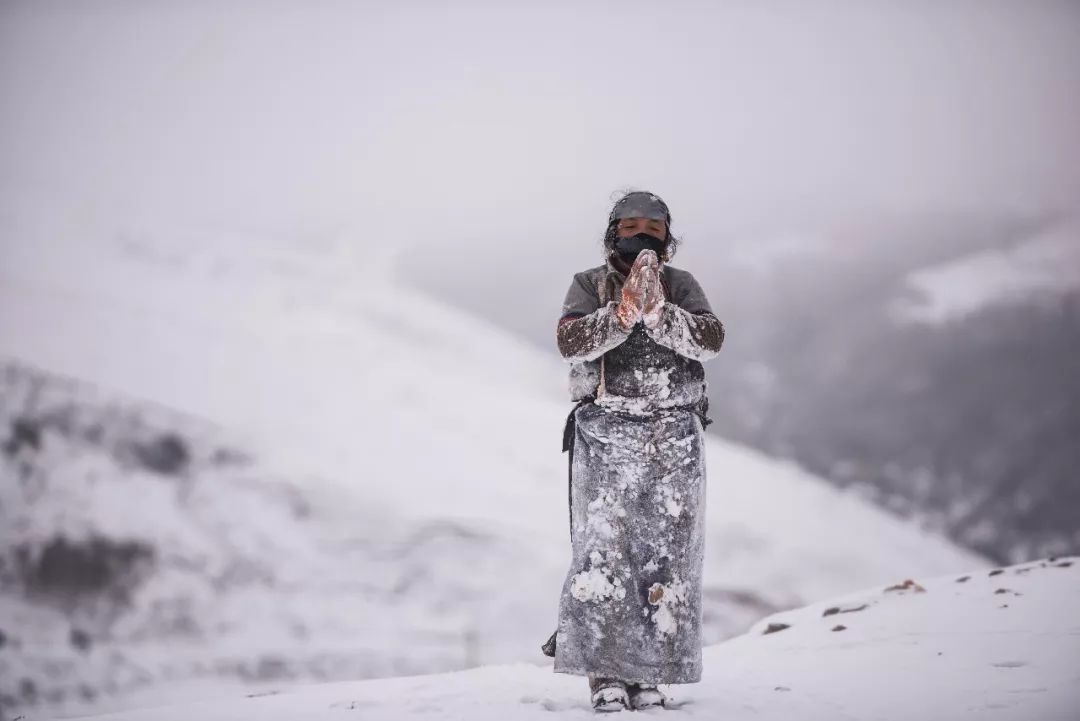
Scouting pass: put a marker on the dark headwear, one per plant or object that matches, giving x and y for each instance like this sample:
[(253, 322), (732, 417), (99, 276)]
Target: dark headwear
[(640, 204)]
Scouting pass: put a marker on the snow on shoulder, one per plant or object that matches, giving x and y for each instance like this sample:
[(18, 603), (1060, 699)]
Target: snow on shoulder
[(1001, 643)]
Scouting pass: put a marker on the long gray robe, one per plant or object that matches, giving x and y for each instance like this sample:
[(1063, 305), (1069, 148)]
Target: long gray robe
[(631, 603), (630, 606)]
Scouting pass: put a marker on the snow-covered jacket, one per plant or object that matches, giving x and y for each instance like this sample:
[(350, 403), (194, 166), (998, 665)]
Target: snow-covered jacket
[(641, 370)]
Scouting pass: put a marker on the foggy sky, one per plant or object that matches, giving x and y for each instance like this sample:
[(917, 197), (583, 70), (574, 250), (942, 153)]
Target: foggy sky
[(493, 137), (319, 115)]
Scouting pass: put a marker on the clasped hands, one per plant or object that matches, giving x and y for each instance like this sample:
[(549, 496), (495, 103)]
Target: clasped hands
[(642, 293)]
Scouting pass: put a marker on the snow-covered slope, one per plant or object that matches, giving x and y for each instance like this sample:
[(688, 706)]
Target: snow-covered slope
[(422, 445), (999, 644), (1045, 264)]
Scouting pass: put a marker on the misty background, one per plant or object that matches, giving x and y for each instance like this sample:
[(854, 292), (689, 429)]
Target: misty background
[(881, 200), (813, 154)]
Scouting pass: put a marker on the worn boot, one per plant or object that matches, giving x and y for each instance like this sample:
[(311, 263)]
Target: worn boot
[(643, 695), (608, 694)]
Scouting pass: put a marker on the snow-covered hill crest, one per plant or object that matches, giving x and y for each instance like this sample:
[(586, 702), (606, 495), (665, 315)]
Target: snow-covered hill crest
[(1045, 264)]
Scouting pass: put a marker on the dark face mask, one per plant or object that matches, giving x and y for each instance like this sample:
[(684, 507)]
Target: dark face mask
[(628, 248)]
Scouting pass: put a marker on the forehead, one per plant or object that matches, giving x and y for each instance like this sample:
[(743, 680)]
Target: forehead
[(637, 218)]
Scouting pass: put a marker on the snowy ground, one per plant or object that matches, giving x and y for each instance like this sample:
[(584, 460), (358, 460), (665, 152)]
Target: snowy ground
[(422, 444), (1003, 644)]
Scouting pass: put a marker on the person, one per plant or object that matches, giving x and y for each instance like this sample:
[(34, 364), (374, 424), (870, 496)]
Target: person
[(635, 331)]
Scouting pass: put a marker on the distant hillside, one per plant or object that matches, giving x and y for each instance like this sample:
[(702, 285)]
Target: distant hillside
[(947, 391), (282, 468)]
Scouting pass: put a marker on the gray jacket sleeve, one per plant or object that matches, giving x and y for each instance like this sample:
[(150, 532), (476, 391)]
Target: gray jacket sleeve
[(586, 329), (687, 324)]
